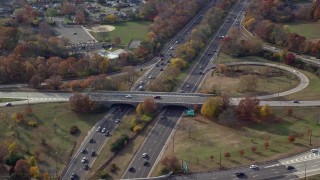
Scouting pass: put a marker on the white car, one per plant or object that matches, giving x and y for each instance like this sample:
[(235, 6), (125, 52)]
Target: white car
[(128, 96), (103, 130), (314, 150), (171, 48), (84, 160), (253, 167), (117, 121), (99, 129), (144, 155)]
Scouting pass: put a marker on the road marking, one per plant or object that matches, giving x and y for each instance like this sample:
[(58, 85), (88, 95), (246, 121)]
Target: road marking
[(276, 172)]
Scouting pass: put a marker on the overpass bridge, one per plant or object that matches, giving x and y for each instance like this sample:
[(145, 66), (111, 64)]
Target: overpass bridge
[(110, 98)]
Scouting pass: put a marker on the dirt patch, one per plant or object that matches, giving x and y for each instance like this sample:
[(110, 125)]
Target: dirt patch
[(102, 28)]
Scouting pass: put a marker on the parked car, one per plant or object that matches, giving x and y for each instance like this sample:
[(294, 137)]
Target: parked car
[(254, 167), (8, 105)]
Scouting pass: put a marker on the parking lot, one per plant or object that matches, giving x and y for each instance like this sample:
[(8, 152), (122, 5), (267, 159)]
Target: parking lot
[(75, 33)]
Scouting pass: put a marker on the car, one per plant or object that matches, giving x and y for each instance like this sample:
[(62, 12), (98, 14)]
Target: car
[(145, 163), (163, 117), (171, 48), (168, 61), (181, 91), (240, 174), (103, 130), (209, 54), (74, 33), (290, 168), (177, 42), (128, 96), (141, 82), (117, 121), (93, 153), (254, 167), (161, 69), (73, 176), (84, 160), (156, 97), (107, 133), (8, 105), (295, 101), (86, 167), (188, 85), (314, 150), (161, 63), (83, 151), (99, 129), (131, 169), (157, 65), (170, 54), (200, 72), (161, 55), (150, 77), (144, 155), (140, 88), (91, 140)]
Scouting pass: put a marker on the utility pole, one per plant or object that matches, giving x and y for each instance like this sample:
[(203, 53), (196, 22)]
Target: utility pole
[(220, 160), (310, 133), (305, 170)]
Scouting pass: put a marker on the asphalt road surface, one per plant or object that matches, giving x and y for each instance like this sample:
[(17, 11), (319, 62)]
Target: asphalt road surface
[(168, 51), (305, 164), (154, 143), (195, 77), (75, 33), (98, 141)]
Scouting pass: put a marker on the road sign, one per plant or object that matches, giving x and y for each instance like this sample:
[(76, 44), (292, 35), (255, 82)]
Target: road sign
[(185, 167)]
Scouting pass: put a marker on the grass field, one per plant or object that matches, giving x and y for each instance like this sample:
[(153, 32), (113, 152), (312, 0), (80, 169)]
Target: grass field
[(231, 85), (312, 92), (8, 100), (54, 121), (310, 30), (209, 138), (126, 31)]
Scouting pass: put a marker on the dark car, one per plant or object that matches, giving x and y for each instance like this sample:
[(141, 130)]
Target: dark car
[(83, 151), (107, 133), (161, 63), (145, 163), (73, 176), (200, 72), (290, 168), (240, 174), (161, 69), (157, 65), (131, 169), (91, 140), (157, 97), (93, 153), (86, 167), (8, 105)]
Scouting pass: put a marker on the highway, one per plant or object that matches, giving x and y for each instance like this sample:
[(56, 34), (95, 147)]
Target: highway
[(194, 79), (154, 143), (94, 141), (168, 50), (305, 164)]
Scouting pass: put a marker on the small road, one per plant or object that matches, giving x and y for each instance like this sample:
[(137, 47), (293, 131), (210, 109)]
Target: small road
[(94, 142), (305, 164)]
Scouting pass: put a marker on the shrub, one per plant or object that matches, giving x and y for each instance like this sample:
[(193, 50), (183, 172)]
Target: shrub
[(137, 129), (105, 175), (120, 143), (12, 159), (33, 123), (74, 130)]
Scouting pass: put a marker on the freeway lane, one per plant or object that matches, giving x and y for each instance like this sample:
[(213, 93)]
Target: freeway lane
[(99, 139), (168, 51), (154, 143), (305, 164), (192, 82)]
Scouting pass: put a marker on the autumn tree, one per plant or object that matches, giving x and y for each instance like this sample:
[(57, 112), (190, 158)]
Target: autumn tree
[(54, 82), (82, 103), (266, 144), (22, 169), (254, 148), (111, 18), (227, 154), (290, 59), (34, 172), (289, 111), (67, 8), (265, 110), (241, 152), (3, 151), (130, 77), (149, 106), (172, 163), (291, 138), (80, 17), (221, 68), (8, 37), (224, 101), (248, 108), (178, 63), (210, 108)]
